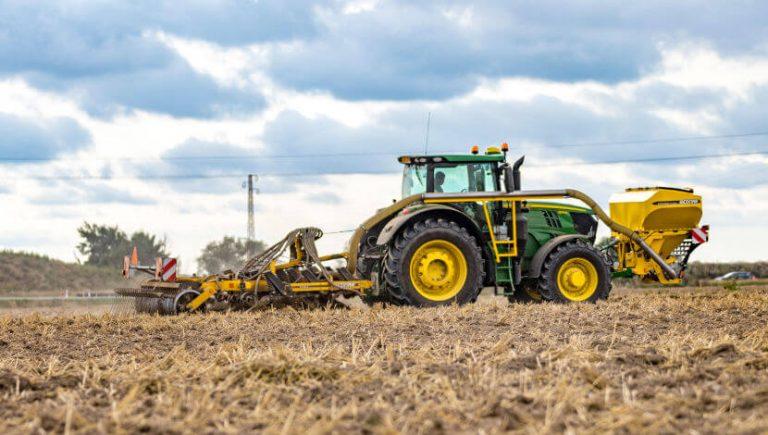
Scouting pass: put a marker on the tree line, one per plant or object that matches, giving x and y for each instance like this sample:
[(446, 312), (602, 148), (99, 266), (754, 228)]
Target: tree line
[(106, 246), (698, 271)]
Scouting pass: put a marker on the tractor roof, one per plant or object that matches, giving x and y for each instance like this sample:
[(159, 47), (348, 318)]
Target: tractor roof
[(452, 158)]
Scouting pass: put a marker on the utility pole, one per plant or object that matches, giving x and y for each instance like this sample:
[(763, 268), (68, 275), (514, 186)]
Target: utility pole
[(251, 223)]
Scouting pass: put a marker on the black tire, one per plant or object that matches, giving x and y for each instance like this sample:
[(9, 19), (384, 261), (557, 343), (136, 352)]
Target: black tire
[(366, 269), (526, 293), (398, 284), (576, 249)]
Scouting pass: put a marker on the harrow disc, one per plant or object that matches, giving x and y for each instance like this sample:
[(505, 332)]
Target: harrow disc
[(154, 305)]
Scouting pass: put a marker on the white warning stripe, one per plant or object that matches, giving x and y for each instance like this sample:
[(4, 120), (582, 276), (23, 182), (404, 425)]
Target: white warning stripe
[(169, 269), (699, 236)]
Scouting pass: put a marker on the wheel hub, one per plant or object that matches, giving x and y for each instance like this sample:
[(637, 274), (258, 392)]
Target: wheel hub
[(577, 279), (438, 270)]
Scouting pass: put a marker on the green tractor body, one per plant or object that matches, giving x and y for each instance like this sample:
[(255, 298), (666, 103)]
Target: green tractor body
[(540, 227)]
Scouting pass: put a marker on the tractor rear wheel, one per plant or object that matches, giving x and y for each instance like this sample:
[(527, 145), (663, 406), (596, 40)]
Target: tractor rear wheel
[(575, 272), (433, 262)]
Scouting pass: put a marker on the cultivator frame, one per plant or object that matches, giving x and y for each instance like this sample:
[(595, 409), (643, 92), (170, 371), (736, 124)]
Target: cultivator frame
[(303, 274)]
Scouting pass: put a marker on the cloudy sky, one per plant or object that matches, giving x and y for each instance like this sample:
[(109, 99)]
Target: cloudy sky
[(149, 114)]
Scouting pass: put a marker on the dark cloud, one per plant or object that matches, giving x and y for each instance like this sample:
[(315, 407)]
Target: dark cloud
[(103, 194), (100, 52), (455, 128), (24, 138), (93, 38), (172, 88), (407, 50), (225, 173), (76, 193), (335, 147), (547, 129)]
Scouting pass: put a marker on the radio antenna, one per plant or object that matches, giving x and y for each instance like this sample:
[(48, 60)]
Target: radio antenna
[(426, 139)]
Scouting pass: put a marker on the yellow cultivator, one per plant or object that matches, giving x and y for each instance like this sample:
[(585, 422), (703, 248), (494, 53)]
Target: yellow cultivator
[(303, 274)]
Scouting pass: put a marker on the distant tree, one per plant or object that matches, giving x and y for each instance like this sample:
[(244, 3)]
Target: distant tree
[(106, 246), (227, 254), (103, 245), (149, 246), (698, 271)]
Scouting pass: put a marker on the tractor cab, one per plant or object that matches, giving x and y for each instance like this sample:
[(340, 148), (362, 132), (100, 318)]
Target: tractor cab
[(453, 173)]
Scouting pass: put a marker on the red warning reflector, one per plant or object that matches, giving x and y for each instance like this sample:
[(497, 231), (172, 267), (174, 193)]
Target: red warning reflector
[(169, 270), (699, 236)]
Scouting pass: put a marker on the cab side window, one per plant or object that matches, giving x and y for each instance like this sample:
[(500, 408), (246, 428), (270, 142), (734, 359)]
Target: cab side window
[(451, 179), (471, 177)]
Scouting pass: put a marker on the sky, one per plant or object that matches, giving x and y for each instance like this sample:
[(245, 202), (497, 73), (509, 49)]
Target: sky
[(149, 114)]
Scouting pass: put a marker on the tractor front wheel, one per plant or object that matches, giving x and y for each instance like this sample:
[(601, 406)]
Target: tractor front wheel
[(575, 272), (433, 262)]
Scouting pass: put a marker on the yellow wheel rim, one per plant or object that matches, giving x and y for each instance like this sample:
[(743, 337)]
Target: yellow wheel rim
[(577, 279), (438, 270)]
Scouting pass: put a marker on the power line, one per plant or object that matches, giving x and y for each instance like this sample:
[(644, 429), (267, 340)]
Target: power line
[(656, 159), (192, 158), (365, 172), (652, 141), (370, 154)]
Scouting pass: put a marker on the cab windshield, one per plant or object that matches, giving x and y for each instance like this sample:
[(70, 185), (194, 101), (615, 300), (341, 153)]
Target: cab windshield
[(449, 178), (414, 180)]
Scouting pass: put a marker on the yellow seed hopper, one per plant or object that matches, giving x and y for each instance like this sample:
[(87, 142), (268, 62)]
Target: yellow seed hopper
[(666, 219)]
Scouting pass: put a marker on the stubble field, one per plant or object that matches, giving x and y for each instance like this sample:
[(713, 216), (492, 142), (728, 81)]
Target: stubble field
[(658, 361)]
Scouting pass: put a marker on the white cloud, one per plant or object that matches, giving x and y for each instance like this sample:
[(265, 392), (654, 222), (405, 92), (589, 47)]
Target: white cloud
[(462, 16), (19, 98), (698, 66), (700, 122), (359, 6), (192, 219)]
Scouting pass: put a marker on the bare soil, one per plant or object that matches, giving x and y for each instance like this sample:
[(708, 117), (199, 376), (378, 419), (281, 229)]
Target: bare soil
[(653, 361)]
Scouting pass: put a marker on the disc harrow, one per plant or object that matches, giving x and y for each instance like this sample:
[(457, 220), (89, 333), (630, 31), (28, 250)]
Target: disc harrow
[(304, 278)]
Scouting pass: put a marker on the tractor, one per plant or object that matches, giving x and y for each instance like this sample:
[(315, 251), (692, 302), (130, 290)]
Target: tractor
[(463, 224)]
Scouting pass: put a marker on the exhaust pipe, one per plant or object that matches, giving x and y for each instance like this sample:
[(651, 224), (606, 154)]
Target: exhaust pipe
[(516, 172), (512, 175)]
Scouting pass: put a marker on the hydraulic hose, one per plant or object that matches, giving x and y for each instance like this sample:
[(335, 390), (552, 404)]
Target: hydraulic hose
[(669, 272)]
